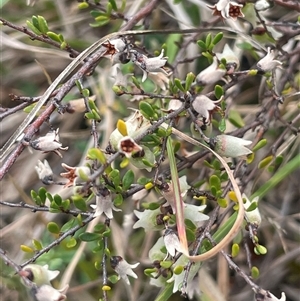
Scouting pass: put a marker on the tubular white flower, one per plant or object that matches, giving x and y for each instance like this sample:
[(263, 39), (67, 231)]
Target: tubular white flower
[(49, 293), (232, 61), (204, 106), (73, 173), (253, 216), (48, 143), (268, 63), (211, 74), (104, 204), (44, 172), (267, 296), (147, 219), (230, 146), (227, 9), (38, 274), (128, 146), (172, 242), (149, 65), (123, 268)]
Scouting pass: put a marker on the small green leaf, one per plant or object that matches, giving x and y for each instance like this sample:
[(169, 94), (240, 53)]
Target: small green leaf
[(53, 36), (215, 181), (53, 228), (107, 233), (260, 144), (190, 77), (63, 45), (146, 109), (118, 200), (71, 243), (85, 93), (26, 249), (235, 118), (219, 91), (222, 125), (148, 272), (101, 19), (235, 249), (33, 28), (114, 175), (128, 179), (43, 26), (79, 202), (57, 199), (37, 244), (208, 40), (83, 5), (117, 90), (96, 154), (266, 161), (178, 269), (113, 4), (261, 250), (113, 279), (136, 82), (178, 84), (88, 236), (252, 72), (68, 225), (222, 202), (35, 22), (166, 264), (254, 272), (218, 37), (202, 45)]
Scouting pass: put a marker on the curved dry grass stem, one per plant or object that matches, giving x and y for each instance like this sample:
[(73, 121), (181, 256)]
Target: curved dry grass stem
[(240, 216)]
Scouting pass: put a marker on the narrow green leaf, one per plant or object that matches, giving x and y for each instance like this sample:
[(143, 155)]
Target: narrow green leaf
[(260, 144), (202, 45), (190, 77), (71, 243), (219, 91), (113, 4), (79, 202), (235, 118), (178, 84), (146, 109), (128, 180), (218, 37), (208, 40), (43, 26), (88, 236), (53, 36)]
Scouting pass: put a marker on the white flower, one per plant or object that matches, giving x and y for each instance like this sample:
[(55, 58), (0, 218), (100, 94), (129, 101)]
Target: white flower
[(147, 219), (204, 106), (123, 268), (211, 74), (230, 146), (268, 63), (174, 105), (232, 61), (49, 293), (160, 79), (193, 213), (38, 274), (74, 173), (44, 172), (120, 78), (262, 5), (129, 147), (253, 216), (172, 242), (149, 65), (168, 192), (227, 9), (135, 125), (114, 49), (104, 204), (48, 143)]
